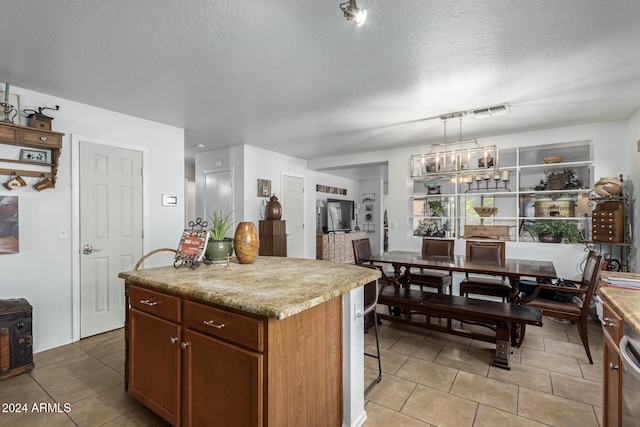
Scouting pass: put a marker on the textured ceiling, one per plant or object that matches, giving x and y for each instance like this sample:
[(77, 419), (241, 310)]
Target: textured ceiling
[(295, 77)]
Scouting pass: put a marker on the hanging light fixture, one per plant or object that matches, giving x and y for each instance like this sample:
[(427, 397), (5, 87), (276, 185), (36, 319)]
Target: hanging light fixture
[(353, 13), (464, 159)]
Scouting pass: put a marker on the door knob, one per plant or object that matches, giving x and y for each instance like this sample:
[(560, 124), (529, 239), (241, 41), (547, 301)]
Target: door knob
[(88, 249)]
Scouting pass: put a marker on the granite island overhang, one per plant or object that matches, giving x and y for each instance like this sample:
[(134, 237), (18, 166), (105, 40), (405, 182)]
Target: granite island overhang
[(252, 337), (271, 286)]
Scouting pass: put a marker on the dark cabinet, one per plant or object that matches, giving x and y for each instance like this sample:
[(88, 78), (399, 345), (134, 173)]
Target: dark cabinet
[(273, 238)]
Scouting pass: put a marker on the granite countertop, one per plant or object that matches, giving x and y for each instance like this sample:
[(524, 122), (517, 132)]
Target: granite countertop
[(626, 302), (271, 286)]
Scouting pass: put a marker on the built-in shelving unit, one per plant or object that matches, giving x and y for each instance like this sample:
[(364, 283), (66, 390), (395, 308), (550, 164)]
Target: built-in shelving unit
[(520, 198)]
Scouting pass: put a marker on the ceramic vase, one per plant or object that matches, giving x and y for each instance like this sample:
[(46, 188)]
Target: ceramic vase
[(274, 209), (608, 186), (218, 250), (246, 242)]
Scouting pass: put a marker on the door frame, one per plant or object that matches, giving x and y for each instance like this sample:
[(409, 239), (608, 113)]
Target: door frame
[(75, 216), (304, 205)]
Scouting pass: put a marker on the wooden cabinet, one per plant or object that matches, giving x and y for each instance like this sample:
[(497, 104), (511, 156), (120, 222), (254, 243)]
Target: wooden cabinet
[(23, 137), (612, 375), (273, 238), (611, 230), (197, 364), (337, 247)]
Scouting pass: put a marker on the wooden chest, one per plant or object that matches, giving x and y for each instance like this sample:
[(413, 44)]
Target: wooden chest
[(16, 337), (607, 222)]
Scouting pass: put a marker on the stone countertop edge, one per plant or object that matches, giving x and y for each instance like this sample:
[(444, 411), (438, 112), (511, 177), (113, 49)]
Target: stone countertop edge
[(273, 287), (626, 302)]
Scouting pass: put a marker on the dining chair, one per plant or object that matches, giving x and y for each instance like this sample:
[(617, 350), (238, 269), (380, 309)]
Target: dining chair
[(362, 249), (490, 252), (577, 308), (432, 278)]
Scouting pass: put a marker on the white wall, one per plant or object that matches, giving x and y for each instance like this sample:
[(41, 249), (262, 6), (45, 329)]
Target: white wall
[(42, 272), (250, 164), (375, 187), (634, 175)]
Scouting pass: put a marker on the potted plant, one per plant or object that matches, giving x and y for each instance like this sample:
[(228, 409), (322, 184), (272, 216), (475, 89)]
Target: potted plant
[(219, 246), (556, 232), (433, 227)]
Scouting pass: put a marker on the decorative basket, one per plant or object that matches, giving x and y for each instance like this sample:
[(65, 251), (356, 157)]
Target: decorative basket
[(552, 159), (484, 211)]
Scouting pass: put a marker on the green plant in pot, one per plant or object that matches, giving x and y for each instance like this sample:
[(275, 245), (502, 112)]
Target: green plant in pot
[(556, 232), (219, 246)]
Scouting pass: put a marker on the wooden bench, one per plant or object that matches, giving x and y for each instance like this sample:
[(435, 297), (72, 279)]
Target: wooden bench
[(498, 315)]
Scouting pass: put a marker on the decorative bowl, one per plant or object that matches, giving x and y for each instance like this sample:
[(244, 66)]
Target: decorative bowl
[(552, 159), (484, 211)]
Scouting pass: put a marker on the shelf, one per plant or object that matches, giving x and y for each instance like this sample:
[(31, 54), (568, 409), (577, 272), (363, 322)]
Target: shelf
[(591, 242), (513, 200), (552, 193), (23, 137), (557, 166)]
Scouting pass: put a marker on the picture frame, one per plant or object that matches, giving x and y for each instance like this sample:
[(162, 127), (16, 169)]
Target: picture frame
[(28, 154), (264, 187)]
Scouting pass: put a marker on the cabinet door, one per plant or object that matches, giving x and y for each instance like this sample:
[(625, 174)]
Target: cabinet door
[(612, 383), (154, 364), (222, 384)]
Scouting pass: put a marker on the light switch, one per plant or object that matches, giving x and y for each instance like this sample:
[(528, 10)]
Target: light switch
[(169, 200)]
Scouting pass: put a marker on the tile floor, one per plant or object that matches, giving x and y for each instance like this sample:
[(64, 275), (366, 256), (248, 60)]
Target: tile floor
[(429, 379)]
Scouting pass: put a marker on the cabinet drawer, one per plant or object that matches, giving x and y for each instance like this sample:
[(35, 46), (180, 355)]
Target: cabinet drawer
[(612, 324), (159, 304), (236, 328), (8, 133), (44, 139)]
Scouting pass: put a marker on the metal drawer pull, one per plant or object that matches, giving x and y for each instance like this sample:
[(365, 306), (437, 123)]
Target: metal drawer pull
[(607, 323), (148, 302), (212, 323), (43, 138), (173, 340), (613, 367), (184, 345)]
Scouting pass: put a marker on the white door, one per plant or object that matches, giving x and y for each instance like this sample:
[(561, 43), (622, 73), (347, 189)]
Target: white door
[(110, 232), (293, 213), (218, 193)]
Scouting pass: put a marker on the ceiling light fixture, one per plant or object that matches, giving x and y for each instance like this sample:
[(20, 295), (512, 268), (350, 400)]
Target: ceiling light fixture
[(353, 13), (463, 160), (494, 110)]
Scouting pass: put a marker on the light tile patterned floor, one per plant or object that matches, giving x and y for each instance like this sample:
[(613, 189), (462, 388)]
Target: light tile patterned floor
[(435, 379), (429, 379)]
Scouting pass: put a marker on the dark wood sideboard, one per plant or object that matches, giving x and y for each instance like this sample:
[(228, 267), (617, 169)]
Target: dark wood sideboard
[(273, 238)]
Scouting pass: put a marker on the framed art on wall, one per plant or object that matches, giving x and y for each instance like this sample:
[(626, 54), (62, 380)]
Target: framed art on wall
[(9, 235)]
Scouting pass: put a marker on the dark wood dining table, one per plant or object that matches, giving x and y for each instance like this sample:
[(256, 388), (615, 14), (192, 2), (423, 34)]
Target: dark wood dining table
[(513, 268)]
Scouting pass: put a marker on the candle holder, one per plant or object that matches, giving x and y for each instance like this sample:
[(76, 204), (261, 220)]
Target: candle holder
[(7, 110), (506, 181)]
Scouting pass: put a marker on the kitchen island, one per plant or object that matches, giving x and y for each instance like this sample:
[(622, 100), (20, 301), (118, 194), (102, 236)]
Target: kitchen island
[(620, 316), (249, 344)]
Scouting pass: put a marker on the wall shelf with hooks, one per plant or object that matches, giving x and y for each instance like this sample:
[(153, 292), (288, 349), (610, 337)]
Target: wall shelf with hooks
[(24, 137)]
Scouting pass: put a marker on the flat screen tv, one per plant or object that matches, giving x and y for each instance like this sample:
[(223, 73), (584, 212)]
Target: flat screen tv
[(339, 215)]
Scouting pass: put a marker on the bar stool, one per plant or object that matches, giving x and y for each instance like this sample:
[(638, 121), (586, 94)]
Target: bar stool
[(371, 292)]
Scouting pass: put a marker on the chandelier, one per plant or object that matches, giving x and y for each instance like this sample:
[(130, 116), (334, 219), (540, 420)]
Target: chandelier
[(464, 160)]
